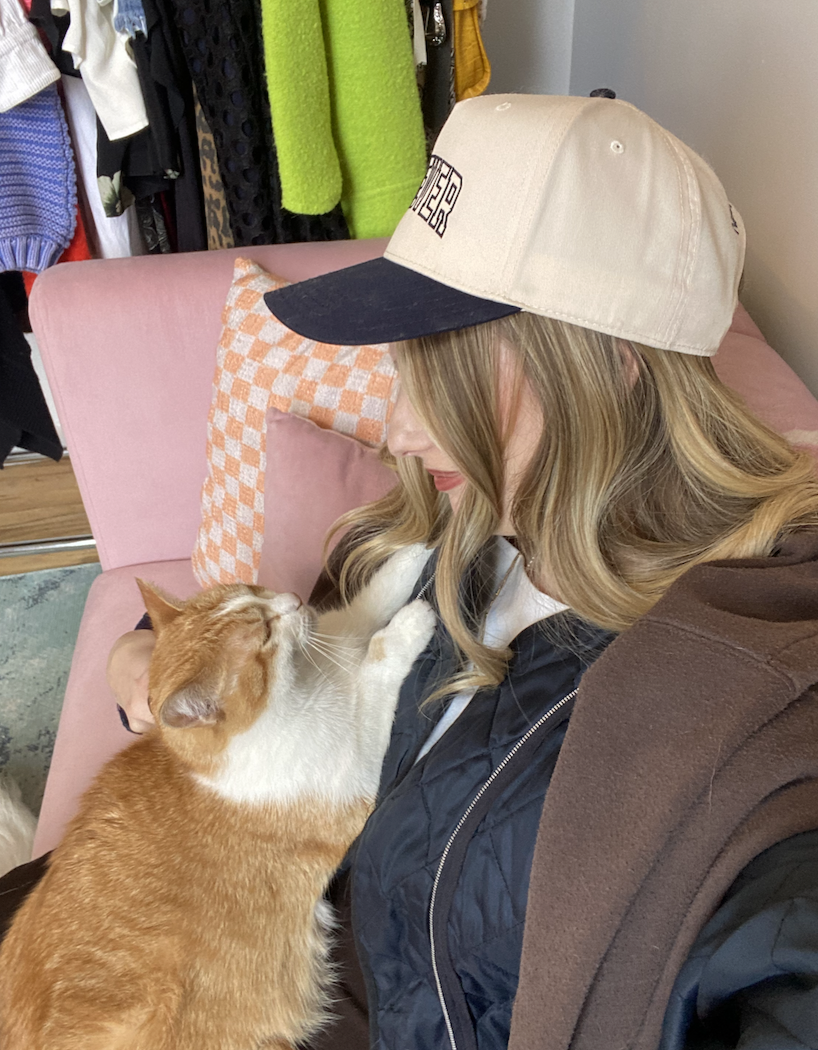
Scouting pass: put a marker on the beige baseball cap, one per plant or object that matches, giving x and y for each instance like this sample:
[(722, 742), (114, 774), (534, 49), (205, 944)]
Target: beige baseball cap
[(581, 209)]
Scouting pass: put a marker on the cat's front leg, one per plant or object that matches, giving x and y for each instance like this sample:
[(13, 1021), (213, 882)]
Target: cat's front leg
[(390, 656), (388, 590)]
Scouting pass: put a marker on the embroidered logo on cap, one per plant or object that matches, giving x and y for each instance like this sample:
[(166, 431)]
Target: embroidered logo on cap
[(438, 194)]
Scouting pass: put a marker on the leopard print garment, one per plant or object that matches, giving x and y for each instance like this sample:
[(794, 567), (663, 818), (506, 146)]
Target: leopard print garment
[(217, 217)]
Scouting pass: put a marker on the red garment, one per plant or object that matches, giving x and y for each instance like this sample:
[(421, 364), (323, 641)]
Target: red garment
[(76, 251)]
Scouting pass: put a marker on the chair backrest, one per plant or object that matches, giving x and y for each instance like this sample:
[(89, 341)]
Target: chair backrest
[(129, 349)]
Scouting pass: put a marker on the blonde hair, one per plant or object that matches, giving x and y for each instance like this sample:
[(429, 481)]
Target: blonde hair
[(643, 469)]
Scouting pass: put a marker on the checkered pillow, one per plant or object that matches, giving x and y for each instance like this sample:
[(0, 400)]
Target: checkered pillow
[(262, 364)]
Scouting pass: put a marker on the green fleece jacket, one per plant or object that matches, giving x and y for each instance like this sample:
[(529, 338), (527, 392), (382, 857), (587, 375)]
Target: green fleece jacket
[(345, 109)]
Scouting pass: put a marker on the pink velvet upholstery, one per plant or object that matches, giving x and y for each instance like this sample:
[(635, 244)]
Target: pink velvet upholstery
[(313, 477), (769, 386), (129, 350)]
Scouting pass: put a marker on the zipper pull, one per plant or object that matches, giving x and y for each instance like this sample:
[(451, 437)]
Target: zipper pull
[(436, 32)]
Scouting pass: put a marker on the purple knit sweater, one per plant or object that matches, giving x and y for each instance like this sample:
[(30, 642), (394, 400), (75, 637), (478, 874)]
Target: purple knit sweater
[(38, 184)]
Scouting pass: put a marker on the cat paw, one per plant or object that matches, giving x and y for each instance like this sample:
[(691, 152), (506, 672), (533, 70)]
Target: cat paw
[(413, 625)]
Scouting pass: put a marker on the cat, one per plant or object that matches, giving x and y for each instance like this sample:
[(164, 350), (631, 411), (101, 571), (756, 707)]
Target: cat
[(184, 908), (17, 826)]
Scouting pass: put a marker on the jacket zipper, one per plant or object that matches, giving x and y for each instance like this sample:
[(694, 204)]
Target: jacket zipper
[(422, 592), (496, 772)]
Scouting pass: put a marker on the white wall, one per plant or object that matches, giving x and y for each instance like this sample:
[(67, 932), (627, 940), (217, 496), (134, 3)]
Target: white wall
[(529, 45), (738, 81)]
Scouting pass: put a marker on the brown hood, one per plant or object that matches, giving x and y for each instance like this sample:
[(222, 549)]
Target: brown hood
[(693, 747)]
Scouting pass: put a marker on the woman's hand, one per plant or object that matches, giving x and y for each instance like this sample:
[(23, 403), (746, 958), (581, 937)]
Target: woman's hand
[(127, 673)]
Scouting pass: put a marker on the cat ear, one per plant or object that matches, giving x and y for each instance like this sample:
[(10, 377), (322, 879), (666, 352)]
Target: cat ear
[(162, 609), (192, 705)]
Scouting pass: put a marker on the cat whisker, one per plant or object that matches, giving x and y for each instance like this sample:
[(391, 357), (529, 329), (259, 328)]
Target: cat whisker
[(332, 640), (314, 663), (333, 658), (341, 666), (340, 651)]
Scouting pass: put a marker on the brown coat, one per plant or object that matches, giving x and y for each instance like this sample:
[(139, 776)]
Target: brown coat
[(693, 747)]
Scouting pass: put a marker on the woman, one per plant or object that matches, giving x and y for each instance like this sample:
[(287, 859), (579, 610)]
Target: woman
[(595, 824), (530, 879)]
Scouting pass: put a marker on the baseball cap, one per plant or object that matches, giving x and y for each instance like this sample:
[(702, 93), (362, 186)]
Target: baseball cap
[(581, 209)]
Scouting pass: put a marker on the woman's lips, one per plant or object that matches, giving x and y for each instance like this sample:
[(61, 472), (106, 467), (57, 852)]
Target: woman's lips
[(446, 479)]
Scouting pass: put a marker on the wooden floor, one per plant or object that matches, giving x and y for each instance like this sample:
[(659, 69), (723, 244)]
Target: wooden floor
[(40, 501)]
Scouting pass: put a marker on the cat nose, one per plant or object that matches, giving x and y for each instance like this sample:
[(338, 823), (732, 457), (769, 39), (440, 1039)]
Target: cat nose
[(285, 603)]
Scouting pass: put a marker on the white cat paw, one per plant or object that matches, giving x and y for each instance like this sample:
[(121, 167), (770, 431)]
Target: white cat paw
[(413, 625)]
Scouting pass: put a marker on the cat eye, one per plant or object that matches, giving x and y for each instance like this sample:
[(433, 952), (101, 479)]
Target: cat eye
[(268, 628)]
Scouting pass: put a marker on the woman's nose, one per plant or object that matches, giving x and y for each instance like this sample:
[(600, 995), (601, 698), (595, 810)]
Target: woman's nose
[(406, 435)]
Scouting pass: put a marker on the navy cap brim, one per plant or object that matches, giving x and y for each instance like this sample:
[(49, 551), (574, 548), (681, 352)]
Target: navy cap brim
[(378, 301)]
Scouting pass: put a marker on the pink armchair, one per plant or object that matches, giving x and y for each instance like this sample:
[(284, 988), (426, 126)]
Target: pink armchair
[(129, 348)]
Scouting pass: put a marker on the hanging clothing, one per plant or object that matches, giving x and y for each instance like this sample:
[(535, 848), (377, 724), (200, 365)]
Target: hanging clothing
[(162, 158), (127, 169), (77, 250), (157, 236), (38, 198), (472, 70), (438, 88), (25, 68), (106, 64), (344, 102), (298, 88), (169, 99), (53, 27), (24, 416), (163, 101), (129, 18), (376, 112), (96, 202), (217, 217), (222, 48), (230, 92), (109, 238), (418, 44)]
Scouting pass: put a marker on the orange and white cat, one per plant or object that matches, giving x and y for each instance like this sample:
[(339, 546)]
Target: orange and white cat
[(184, 908)]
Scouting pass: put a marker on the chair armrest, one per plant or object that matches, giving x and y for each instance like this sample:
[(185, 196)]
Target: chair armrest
[(90, 731)]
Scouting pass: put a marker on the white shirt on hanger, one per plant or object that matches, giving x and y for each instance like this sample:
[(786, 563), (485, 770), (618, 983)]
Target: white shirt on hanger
[(108, 69)]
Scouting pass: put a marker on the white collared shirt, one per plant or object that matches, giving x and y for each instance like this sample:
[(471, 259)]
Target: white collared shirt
[(516, 606)]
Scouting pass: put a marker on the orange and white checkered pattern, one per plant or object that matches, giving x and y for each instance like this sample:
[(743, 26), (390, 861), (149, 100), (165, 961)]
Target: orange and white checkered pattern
[(260, 363)]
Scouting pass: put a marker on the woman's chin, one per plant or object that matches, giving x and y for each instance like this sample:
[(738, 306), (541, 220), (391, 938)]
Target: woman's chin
[(505, 526), (454, 497)]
